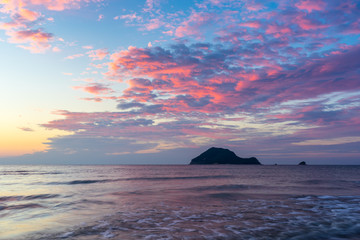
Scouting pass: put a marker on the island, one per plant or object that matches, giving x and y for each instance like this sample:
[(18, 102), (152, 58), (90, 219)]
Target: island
[(222, 156), (302, 163)]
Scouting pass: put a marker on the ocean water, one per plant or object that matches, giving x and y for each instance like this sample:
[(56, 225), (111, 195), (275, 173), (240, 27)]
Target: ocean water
[(179, 202)]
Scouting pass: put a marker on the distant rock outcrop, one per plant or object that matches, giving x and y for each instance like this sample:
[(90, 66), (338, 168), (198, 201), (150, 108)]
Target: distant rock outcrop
[(222, 156), (302, 163)]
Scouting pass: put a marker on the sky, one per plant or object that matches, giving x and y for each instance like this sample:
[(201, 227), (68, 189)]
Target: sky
[(160, 81)]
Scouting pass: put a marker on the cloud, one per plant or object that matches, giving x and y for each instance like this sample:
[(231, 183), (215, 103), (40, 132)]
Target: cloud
[(95, 99), (36, 35), (23, 21), (310, 6), (333, 141), (151, 4), (129, 17), (127, 105), (251, 24), (60, 5), (101, 17), (37, 41), (56, 49), (87, 47), (28, 15), (193, 70), (153, 24), (94, 88), (26, 129), (253, 6), (278, 31), (97, 55), (308, 24), (78, 55), (83, 145), (192, 26)]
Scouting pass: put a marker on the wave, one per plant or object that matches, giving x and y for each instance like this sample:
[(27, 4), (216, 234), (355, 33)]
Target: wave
[(180, 178), (21, 206), (223, 187), (75, 182), (86, 182), (335, 184), (92, 181), (29, 197), (23, 172)]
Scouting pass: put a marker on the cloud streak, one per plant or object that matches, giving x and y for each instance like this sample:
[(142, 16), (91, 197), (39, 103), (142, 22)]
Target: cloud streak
[(23, 21)]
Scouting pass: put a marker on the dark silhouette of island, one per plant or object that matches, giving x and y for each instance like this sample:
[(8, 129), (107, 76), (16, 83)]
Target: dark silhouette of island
[(302, 163), (222, 156)]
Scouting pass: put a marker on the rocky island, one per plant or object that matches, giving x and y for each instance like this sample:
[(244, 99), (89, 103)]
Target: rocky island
[(222, 156)]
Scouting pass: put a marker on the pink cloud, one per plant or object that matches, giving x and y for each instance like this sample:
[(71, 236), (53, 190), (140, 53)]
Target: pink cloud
[(74, 56), (28, 15), (101, 17), (139, 62), (56, 49), (98, 66), (37, 40), (278, 31), (151, 4), (250, 76), (170, 33), (98, 54), (12, 25), (347, 6), (26, 129), (353, 28), (175, 78), (253, 6), (94, 88), (87, 47), (59, 5), (310, 5), (24, 19), (153, 24), (129, 17), (215, 2), (251, 24), (308, 24), (97, 99), (194, 23)]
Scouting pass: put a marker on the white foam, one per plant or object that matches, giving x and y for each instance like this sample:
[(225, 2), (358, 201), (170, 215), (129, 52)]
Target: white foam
[(102, 224), (146, 220), (305, 198), (326, 197), (108, 234), (157, 237), (66, 235), (233, 229)]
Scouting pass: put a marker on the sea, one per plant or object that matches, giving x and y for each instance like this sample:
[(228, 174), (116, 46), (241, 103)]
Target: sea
[(179, 202)]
